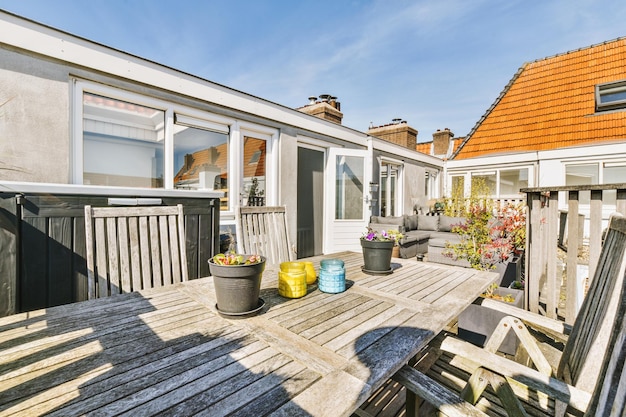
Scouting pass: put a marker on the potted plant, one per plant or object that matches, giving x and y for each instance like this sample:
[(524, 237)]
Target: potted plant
[(492, 240), (395, 252), (476, 323), (237, 279), (377, 250)]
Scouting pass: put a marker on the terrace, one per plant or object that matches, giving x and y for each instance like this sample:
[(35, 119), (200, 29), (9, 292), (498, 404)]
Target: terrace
[(425, 297)]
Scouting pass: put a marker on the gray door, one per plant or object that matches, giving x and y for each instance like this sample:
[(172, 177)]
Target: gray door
[(310, 202)]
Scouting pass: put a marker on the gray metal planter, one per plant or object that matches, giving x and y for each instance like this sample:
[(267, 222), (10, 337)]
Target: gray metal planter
[(477, 323)]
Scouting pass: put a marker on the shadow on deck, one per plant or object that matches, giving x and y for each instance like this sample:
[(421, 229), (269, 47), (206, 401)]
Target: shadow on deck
[(390, 399)]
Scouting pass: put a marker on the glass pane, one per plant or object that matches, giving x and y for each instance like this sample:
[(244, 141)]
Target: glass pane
[(458, 187), (512, 180), (254, 151), (122, 143), (388, 180), (613, 175), (489, 182), (614, 96), (349, 188), (200, 160), (581, 174)]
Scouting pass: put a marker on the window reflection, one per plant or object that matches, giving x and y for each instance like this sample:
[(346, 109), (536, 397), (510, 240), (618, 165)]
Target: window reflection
[(122, 143), (254, 152)]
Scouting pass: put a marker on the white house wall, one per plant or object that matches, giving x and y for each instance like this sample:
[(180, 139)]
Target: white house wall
[(39, 66)]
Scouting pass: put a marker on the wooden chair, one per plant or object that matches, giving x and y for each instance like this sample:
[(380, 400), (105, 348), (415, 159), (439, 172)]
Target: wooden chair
[(501, 386), (134, 248), (608, 398), (263, 231)]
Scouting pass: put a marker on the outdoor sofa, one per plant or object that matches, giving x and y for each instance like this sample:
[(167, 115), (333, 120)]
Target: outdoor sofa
[(423, 234)]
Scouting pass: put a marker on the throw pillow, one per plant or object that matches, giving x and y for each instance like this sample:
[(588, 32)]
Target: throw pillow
[(411, 222), (446, 223), (430, 223)]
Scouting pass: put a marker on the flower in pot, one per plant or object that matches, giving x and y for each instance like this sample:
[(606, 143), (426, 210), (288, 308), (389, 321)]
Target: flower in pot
[(237, 279), (377, 250)]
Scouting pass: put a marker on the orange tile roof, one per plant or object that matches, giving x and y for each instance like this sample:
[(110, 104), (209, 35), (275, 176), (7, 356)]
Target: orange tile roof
[(550, 104), (424, 147)]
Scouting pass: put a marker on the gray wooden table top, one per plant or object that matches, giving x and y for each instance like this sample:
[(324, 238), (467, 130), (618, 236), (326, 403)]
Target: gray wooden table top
[(167, 352)]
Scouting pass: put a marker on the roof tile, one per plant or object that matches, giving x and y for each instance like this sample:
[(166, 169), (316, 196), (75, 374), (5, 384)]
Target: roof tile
[(551, 104)]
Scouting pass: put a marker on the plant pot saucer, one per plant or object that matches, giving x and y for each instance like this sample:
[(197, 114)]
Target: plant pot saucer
[(244, 314), (367, 271)]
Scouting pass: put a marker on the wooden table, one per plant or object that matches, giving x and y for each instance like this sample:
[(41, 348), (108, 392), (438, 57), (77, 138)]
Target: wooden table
[(167, 351)]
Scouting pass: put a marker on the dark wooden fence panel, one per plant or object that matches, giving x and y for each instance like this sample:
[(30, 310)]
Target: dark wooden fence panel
[(42, 242)]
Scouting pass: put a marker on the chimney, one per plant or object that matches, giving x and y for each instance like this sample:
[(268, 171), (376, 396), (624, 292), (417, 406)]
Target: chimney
[(441, 142), (327, 108), (398, 132), (188, 161)]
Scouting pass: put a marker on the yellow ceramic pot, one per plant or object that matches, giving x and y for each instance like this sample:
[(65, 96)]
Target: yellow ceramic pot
[(311, 276), (292, 280)]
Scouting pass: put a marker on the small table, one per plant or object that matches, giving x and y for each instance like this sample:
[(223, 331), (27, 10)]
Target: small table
[(166, 351)]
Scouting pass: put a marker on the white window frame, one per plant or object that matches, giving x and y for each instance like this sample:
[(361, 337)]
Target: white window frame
[(467, 181), (399, 165), (190, 117), (610, 88)]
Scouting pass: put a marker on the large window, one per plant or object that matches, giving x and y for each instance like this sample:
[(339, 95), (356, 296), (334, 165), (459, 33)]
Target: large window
[(123, 139), (582, 174), (431, 188), (512, 180), (350, 171), (596, 173), (200, 155), (611, 96), (123, 143), (499, 183), (489, 180), (389, 186)]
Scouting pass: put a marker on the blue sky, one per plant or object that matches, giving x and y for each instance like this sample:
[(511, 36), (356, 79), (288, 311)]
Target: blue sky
[(435, 64)]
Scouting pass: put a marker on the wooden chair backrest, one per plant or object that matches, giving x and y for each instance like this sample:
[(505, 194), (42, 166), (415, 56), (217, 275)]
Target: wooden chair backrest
[(589, 339), (134, 248), (263, 231), (609, 397)]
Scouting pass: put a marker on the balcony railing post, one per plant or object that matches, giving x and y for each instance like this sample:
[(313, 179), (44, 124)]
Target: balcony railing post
[(573, 245), (578, 234)]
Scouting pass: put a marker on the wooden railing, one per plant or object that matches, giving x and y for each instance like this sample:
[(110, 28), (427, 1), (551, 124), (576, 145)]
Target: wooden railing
[(459, 208), (554, 221)]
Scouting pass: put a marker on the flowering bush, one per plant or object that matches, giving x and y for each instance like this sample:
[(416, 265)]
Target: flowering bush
[(382, 236), (489, 237), (236, 259)]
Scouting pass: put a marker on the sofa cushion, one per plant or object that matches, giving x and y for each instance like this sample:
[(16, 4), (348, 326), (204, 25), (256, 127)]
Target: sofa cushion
[(388, 219), (445, 237), (438, 242), (418, 235), (411, 222), (427, 222), (446, 223)]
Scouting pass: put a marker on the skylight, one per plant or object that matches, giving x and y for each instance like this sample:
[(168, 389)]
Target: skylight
[(611, 96)]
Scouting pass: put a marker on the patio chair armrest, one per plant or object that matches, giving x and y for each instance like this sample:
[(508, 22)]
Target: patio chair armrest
[(475, 357), (556, 329), (442, 398)]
